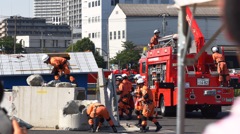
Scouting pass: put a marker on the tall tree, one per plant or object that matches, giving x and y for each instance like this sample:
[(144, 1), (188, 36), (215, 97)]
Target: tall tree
[(87, 45), (7, 45), (127, 57)]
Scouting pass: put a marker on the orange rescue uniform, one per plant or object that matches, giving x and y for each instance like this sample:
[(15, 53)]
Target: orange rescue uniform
[(148, 105), (138, 104), (221, 67), (123, 105), (60, 65), (98, 110), (154, 41)]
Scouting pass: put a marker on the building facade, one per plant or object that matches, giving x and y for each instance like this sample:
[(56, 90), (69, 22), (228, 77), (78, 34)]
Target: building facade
[(48, 9), (31, 26), (71, 14), (136, 23), (44, 44), (95, 18)]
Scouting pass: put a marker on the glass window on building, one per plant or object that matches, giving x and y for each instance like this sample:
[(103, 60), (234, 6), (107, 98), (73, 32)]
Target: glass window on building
[(95, 35), (153, 1), (110, 35), (114, 35), (98, 34), (89, 35), (129, 1), (89, 4), (93, 4), (119, 34), (56, 43), (98, 2), (92, 19), (92, 35), (123, 34), (143, 1), (98, 18), (89, 20)]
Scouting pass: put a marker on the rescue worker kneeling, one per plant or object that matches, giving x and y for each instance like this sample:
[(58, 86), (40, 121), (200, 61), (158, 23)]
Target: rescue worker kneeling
[(98, 110), (148, 106), (60, 65)]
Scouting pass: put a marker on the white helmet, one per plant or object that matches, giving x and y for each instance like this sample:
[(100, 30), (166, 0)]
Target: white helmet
[(119, 78), (45, 57), (214, 49), (140, 81), (124, 75), (156, 31), (137, 76)]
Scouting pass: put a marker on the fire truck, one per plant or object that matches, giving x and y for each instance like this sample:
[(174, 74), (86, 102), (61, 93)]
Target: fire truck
[(158, 67)]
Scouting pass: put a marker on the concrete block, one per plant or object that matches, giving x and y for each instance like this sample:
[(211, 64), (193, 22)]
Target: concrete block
[(64, 84), (7, 102), (52, 83), (39, 106), (35, 80), (73, 116)]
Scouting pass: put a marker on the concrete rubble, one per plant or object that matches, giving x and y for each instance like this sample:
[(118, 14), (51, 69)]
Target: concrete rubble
[(73, 116), (52, 83), (35, 80)]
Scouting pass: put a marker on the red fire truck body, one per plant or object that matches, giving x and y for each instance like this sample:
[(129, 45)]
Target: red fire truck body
[(203, 91)]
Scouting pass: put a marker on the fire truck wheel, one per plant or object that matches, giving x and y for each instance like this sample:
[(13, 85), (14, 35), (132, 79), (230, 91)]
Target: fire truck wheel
[(165, 110)]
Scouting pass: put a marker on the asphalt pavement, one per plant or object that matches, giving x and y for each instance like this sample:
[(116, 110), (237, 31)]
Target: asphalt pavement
[(194, 124)]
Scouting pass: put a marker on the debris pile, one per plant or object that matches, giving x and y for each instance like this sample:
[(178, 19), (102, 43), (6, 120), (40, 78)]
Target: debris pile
[(37, 80)]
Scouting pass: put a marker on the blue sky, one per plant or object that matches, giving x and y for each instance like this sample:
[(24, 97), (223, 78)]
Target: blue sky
[(16, 7)]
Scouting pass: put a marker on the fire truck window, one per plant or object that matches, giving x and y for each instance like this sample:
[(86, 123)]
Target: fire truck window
[(143, 67)]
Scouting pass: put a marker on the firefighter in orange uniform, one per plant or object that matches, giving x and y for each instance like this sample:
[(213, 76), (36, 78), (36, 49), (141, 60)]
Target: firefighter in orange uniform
[(124, 91), (221, 66), (98, 110), (148, 106), (138, 104), (154, 39), (60, 65)]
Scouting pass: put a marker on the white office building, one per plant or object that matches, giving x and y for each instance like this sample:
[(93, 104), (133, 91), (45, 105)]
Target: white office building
[(95, 15), (71, 14), (48, 9), (137, 22)]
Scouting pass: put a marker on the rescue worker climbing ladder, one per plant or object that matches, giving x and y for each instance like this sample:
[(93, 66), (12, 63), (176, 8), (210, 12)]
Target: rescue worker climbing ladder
[(148, 106), (59, 65), (221, 67), (98, 110)]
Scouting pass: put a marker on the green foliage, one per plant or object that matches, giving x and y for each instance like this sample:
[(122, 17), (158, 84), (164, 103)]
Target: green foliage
[(128, 56), (85, 45), (7, 44), (82, 45)]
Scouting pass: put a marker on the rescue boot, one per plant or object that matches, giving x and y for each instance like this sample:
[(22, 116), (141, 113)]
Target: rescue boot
[(114, 129), (158, 126), (139, 123), (143, 129), (129, 115), (92, 129)]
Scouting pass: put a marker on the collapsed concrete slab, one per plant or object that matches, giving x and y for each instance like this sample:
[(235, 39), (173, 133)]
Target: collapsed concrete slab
[(73, 116), (35, 80), (39, 106), (107, 95)]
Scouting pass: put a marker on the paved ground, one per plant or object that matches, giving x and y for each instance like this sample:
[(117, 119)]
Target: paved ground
[(194, 124)]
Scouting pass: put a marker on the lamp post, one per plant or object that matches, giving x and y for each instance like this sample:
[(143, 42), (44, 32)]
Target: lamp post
[(164, 22), (107, 54)]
